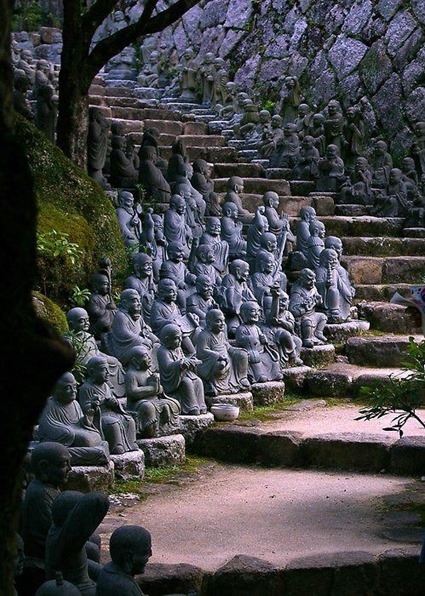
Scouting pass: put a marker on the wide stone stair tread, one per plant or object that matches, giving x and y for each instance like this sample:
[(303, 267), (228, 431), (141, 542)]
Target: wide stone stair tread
[(287, 203), (381, 292), (378, 351), (387, 317), (378, 270), (351, 210), (383, 246), (207, 141), (256, 185), (210, 154), (243, 170), (362, 226)]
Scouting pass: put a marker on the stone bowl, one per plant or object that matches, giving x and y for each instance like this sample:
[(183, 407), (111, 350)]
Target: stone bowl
[(225, 412)]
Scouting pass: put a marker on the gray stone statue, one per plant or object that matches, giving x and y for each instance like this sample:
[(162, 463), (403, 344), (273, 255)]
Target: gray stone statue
[(46, 112), (212, 237), (149, 75), (178, 372), (315, 243), (307, 216), (236, 289), (231, 231), (337, 294), (287, 148), (129, 220), (334, 123), (204, 264), (271, 137), (207, 74), (157, 414), (130, 549), (381, 164), (188, 75), (97, 145), (303, 302), (256, 229), (358, 189), (63, 421), (393, 201), (175, 269), (306, 167), (20, 101), (202, 300), (122, 171), (331, 171), (101, 307), (221, 78), (290, 98), (142, 281), (176, 228), (151, 177), (235, 187), (353, 135), (223, 368), (418, 148), (280, 328), (117, 425), (202, 183)]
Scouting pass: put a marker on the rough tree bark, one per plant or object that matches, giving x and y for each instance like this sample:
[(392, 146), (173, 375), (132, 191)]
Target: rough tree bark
[(33, 355), (79, 65)]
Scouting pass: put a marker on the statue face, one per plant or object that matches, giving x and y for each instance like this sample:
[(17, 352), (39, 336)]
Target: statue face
[(100, 373), (66, 390), (283, 303), (252, 313), (271, 245), (180, 206), (103, 287), (214, 227), (360, 165), (332, 261), (176, 254), (173, 340), (133, 306), (331, 152), (242, 272), (127, 201), (217, 323), (145, 269), (57, 469), (168, 293), (308, 279), (139, 561), (395, 176), (267, 264), (205, 288), (82, 323)]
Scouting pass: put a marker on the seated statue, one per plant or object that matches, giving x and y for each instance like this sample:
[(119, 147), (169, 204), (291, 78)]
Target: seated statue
[(193, 213), (20, 101), (331, 171), (129, 329), (249, 120), (265, 278), (271, 137), (122, 171), (336, 291), (150, 176), (235, 187), (317, 131), (263, 358), (174, 268), (212, 237), (204, 264), (130, 549), (153, 241), (235, 290), (184, 179), (202, 182), (86, 347), (302, 120), (75, 517), (95, 394), (392, 202), (177, 159), (303, 302), (223, 368), (315, 243), (381, 163), (148, 77), (270, 246), (306, 166), (142, 281), (176, 228), (307, 216), (157, 414), (129, 220), (63, 421), (287, 148), (101, 307), (256, 134), (202, 300), (231, 231), (278, 225), (357, 190), (178, 373), (256, 229), (410, 177)]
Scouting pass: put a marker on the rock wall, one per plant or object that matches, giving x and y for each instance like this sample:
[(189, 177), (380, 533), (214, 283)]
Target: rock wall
[(346, 49)]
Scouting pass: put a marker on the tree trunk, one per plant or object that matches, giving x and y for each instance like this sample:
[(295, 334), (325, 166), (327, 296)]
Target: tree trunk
[(72, 128)]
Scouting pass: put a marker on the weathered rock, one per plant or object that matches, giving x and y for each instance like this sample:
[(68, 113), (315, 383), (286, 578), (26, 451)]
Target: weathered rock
[(129, 465), (377, 351), (233, 444), (358, 17), (387, 317), (243, 400), (408, 456), (388, 8), (318, 356), (91, 478), (163, 451), (267, 394), (192, 426), (419, 10), (400, 28), (295, 376), (327, 383), (346, 54), (342, 331), (376, 67), (160, 578), (388, 104), (415, 104), (280, 448)]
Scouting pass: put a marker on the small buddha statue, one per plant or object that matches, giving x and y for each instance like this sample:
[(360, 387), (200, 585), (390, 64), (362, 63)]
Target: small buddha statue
[(212, 237), (129, 220), (303, 302), (231, 231), (235, 187)]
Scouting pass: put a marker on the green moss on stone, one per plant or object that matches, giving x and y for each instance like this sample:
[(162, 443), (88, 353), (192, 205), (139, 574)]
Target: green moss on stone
[(49, 311)]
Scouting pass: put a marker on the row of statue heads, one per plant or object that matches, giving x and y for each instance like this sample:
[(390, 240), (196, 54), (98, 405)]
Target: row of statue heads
[(59, 547)]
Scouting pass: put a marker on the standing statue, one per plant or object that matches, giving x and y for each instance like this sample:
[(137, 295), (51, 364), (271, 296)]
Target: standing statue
[(235, 187), (231, 231), (129, 220), (177, 160), (302, 304), (290, 98), (336, 294), (221, 78), (334, 124), (46, 112), (331, 171), (157, 414), (256, 229), (97, 145), (207, 74), (151, 177), (381, 164), (188, 75), (236, 289), (178, 372), (418, 148), (101, 307), (317, 131), (307, 215), (176, 228), (315, 244), (302, 121), (353, 135), (20, 101), (287, 148), (123, 172)]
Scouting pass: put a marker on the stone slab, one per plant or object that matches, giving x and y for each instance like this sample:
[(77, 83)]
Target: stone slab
[(387, 317), (91, 478), (268, 394), (244, 400), (385, 351), (295, 376), (329, 383), (191, 427), (318, 356), (163, 451), (130, 465), (342, 331), (408, 456)]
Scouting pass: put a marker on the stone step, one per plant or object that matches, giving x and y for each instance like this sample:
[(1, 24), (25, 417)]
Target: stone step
[(96, 100), (128, 113), (251, 201), (166, 139), (379, 270), (243, 170), (169, 127), (247, 155), (384, 246), (125, 102), (256, 185), (337, 333), (387, 317), (378, 351), (130, 126), (195, 128), (203, 140), (380, 292), (302, 187), (363, 226), (210, 154), (278, 173), (96, 90), (121, 91), (350, 210)]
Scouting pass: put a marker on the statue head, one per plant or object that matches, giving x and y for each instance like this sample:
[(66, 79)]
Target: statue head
[(408, 164), (420, 128), (240, 269), (45, 92), (269, 242), (167, 290), (98, 370), (276, 121), (118, 16), (63, 505), (265, 116), (21, 82), (361, 164), (329, 258), (204, 286), (171, 336), (188, 54), (26, 56), (100, 283), (317, 228), (283, 301), (334, 107), (140, 358), (142, 264), (126, 200), (130, 548), (78, 319), (318, 120), (271, 199), (215, 321), (303, 110), (380, 147), (178, 204), (307, 142), (289, 129), (236, 184), (331, 152), (178, 148), (264, 262), (352, 113), (176, 251), (250, 312), (230, 210), (395, 175), (65, 390), (213, 226), (209, 58), (307, 278), (202, 167), (117, 142), (335, 243), (51, 463), (148, 153), (307, 213), (130, 303), (205, 254)]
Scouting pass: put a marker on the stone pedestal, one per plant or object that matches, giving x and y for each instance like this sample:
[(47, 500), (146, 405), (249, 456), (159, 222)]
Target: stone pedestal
[(163, 451), (295, 376), (130, 465), (343, 331), (268, 394), (243, 400), (192, 426), (91, 478), (318, 356)]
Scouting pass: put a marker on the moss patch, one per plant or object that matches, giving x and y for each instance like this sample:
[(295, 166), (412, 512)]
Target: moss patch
[(46, 309)]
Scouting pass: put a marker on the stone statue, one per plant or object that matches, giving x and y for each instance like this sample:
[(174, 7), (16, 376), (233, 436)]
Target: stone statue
[(207, 74), (307, 215), (177, 160), (188, 74), (97, 145), (287, 148), (204, 264), (20, 101), (43, 77), (336, 244), (178, 372), (331, 171), (46, 112), (202, 300), (256, 229), (418, 148), (410, 176), (302, 120), (290, 98), (176, 228), (308, 158), (271, 137), (153, 240), (51, 464), (393, 201), (195, 207), (212, 237), (142, 281), (334, 123), (236, 289), (315, 243), (150, 138), (202, 183), (263, 359), (249, 120), (63, 421), (118, 426), (129, 328), (317, 131), (357, 190), (149, 75), (353, 135), (86, 347), (303, 302), (381, 164), (101, 307), (280, 328), (235, 187), (174, 268), (231, 231), (129, 220), (75, 517), (267, 275), (223, 368), (221, 78), (157, 188), (231, 105), (157, 414), (130, 549), (123, 173), (336, 294), (26, 64)]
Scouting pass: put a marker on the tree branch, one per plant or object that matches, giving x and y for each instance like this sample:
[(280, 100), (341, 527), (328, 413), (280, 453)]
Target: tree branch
[(95, 16)]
